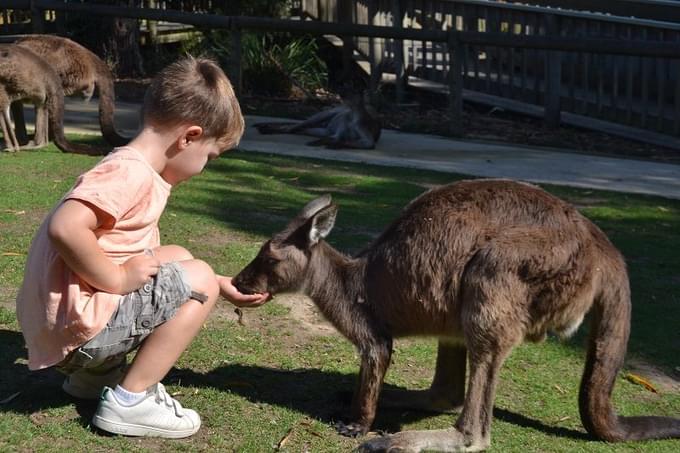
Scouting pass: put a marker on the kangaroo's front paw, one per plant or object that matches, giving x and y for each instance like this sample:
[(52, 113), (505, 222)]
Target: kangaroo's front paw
[(351, 429)]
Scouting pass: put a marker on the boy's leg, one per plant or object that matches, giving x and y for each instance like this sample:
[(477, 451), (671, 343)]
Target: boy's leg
[(90, 368), (161, 349), (87, 383), (167, 253), (141, 406)]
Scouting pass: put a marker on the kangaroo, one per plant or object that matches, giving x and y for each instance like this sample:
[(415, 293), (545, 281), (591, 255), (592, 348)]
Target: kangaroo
[(353, 124), (483, 265), (80, 71), (25, 76)]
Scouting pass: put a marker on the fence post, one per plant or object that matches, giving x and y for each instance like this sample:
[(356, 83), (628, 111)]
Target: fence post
[(152, 25), (375, 50), (37, 18), (344, 15), (235, 71), (553, 77), (398, 52), (455, 47)]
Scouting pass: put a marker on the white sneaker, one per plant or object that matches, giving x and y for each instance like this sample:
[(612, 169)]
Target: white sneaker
[(88, 384), (157, 415)]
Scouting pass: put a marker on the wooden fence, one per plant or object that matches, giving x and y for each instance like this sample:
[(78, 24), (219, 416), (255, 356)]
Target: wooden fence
[(510, 55), (635, 95)]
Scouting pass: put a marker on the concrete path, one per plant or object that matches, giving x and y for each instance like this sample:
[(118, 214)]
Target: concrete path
[(532, 164)]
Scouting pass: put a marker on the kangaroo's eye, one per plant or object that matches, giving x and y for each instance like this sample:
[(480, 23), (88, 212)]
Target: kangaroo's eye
[(270, 261)]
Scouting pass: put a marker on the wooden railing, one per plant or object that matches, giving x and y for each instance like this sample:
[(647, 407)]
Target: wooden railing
[(608, 91), (478, 53)]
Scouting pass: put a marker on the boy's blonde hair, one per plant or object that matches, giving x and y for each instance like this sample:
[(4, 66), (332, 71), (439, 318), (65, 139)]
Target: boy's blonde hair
[(195, 91)]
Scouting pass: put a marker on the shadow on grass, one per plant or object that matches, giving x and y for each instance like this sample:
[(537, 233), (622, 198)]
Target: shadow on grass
[(37, 390), (321, 395), (326, 395)]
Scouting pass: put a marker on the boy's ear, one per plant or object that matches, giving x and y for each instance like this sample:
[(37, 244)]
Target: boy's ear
[(190, 134)]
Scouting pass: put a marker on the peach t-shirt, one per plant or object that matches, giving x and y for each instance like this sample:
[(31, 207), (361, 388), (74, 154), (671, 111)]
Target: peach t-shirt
[(57, 310)]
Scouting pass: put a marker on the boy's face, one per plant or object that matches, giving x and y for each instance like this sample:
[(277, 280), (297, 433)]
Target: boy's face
[(194, 153)]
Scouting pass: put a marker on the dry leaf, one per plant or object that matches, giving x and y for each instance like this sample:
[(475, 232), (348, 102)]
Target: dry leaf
[(283, 441), (635, 379), (559, 389), (314, 433), (11, 254)]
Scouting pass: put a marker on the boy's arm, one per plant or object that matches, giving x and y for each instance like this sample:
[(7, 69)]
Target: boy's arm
[(233, 295), (71, 231)]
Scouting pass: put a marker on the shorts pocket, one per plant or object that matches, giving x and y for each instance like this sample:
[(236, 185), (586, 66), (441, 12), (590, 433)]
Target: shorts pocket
[(143, 300)]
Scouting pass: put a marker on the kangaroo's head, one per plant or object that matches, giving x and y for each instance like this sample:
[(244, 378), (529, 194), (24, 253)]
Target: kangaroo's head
[(282, 263)]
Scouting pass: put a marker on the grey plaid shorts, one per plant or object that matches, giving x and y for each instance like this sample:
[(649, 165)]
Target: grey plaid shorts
[(137, 315)]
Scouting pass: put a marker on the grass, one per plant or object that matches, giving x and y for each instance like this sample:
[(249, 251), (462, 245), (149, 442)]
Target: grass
[(273, 382)]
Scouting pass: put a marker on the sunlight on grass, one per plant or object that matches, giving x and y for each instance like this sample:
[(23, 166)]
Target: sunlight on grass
[(257, 383)]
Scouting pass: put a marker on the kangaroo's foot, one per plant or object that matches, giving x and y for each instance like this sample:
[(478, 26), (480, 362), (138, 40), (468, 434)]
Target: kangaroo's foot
[(430, 400), (442, 440), (353, 429), (31, 144)]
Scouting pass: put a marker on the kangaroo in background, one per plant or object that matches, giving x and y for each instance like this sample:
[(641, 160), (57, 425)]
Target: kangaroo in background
[(80, 71), (353, 124), (483, 265), (25, 76)]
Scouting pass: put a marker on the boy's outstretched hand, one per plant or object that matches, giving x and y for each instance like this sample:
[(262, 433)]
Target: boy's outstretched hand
[(233, 295)]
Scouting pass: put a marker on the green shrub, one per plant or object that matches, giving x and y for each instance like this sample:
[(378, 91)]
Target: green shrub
[(272, 63)]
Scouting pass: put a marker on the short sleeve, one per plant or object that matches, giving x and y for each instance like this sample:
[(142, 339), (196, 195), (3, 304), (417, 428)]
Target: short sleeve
[(114, 185)]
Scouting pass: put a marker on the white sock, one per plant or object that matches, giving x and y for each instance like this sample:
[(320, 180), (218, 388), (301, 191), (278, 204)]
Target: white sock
[(127, 398)]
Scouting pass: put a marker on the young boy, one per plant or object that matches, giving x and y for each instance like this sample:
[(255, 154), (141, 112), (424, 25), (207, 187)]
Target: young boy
[(98, 284)]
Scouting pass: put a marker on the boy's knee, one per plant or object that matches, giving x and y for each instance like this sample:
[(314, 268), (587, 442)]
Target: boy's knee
[(202, 279), (173, 253)]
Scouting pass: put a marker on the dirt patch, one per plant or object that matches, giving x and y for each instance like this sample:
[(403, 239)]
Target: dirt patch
[(305, 312), (302, 311)]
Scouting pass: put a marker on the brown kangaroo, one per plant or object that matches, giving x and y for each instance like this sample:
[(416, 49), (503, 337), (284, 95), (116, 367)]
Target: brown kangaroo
[(80, 71), (25, 76), (483, 265), (353, 124)]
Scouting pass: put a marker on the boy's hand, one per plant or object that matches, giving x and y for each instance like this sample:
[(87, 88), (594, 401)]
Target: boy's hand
[(137, 271), (233, 295)]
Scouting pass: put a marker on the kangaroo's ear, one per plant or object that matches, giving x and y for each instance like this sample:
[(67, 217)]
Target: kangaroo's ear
[(322, 224), (315, 206), (312, 224)]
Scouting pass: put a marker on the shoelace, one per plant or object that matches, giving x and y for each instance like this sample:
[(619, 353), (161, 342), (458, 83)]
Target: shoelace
[(163, 397)]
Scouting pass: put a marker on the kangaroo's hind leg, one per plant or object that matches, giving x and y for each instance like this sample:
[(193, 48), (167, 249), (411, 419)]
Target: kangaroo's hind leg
[(10, 139), (447, 392), (472, 430), (492, 299)]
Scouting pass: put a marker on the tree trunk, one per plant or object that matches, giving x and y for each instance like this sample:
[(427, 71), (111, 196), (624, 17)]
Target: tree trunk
[(121, 45), (114, 39)]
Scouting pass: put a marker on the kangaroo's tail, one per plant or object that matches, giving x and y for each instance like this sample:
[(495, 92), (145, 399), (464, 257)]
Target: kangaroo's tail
[(55, 114), (606, 351), (107, 106)]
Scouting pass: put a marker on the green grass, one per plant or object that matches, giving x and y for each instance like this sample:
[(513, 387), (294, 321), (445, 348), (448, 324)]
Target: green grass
[(257, 384)]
